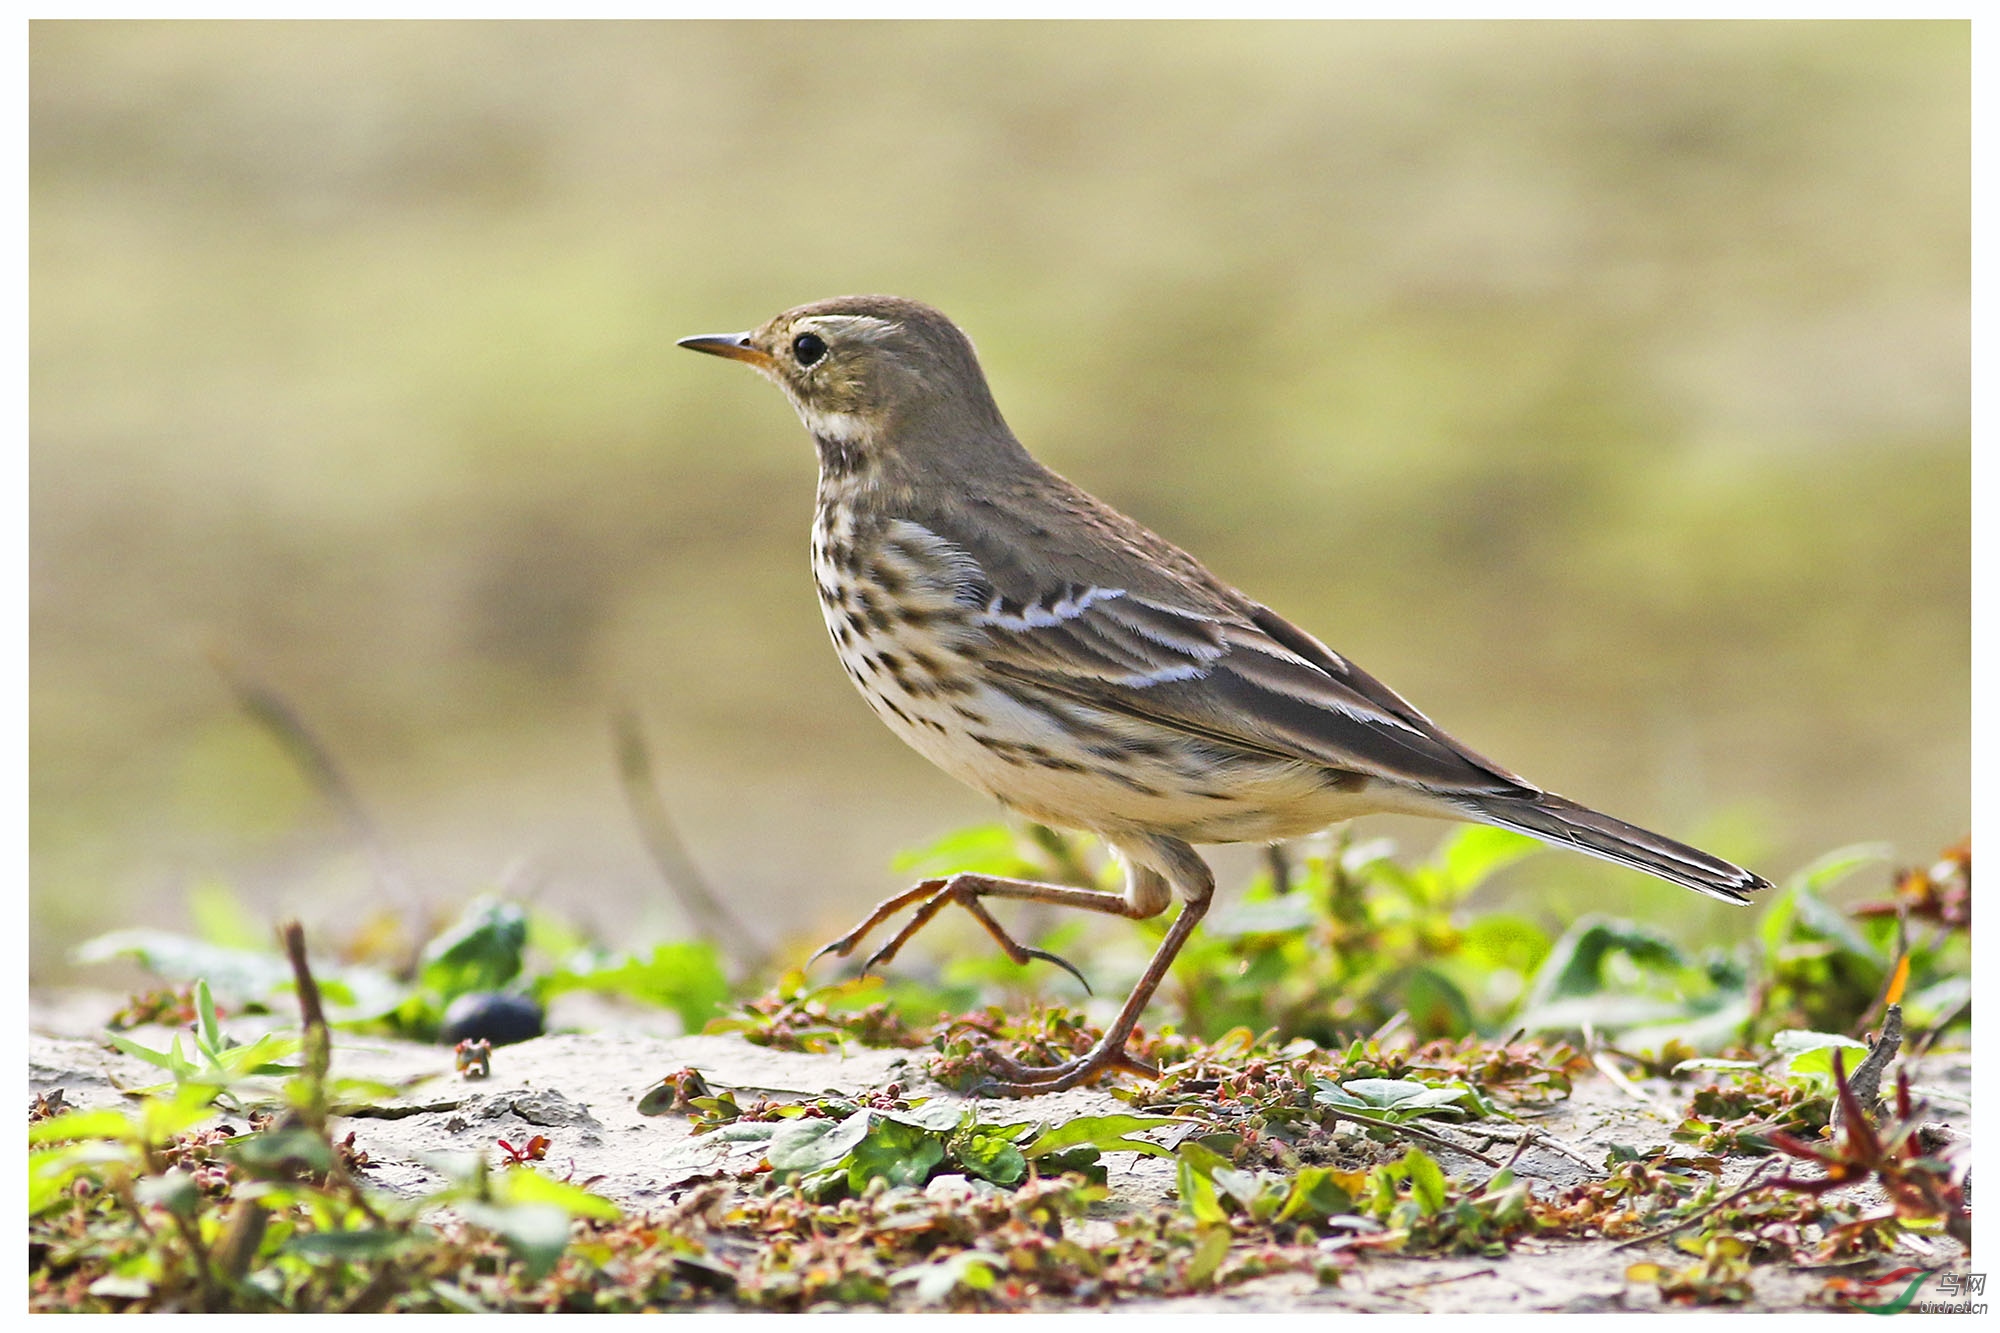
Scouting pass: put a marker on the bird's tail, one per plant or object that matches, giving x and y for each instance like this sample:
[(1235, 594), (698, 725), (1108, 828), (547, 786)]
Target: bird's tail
[(1567, 824)]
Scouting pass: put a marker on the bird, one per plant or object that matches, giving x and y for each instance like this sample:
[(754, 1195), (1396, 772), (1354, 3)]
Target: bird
[(1045, 649)]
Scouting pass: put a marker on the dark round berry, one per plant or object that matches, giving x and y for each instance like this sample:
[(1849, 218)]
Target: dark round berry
[(808, 348), (489, 1016)]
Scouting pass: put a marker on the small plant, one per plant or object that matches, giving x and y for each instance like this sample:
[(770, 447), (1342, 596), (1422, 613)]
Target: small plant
[(225, 1066), (1924, 1190), (162, 1208)]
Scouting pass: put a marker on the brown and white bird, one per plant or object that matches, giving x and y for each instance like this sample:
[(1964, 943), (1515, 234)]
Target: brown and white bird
[(1044, 648)]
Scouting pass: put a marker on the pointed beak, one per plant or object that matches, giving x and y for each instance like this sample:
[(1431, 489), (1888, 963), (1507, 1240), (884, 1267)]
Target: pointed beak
[(735, 346)]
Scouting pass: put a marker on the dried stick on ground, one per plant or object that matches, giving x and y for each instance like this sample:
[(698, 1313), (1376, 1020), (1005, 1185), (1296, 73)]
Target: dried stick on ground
[(275, 713), (1867, 1080), (1755, 1180), (670, 854)]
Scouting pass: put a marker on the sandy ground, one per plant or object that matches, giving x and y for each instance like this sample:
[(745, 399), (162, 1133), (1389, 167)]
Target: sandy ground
[(582, 1092)]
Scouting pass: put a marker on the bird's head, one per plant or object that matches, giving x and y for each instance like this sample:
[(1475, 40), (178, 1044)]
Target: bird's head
[(874, 378)]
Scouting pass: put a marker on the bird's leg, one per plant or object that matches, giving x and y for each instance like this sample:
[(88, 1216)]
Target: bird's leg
[(885, 909), (1148, 893), (966, 890), (1026, 1081)]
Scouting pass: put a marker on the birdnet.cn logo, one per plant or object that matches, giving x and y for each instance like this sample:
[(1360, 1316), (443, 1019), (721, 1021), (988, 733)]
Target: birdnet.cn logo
[(1895, 1292)]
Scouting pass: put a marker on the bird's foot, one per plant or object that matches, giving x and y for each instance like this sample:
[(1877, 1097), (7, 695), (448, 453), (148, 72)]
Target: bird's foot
[(1018, 1080), (885, 909), (932, 896)]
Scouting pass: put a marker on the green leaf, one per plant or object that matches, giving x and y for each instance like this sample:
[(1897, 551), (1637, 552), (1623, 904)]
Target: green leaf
[(281, 1153), (210, 1030), (244, 976), (371, 1243), (1938, 1001), (1107, 1133), (167, 1060), (1793, 1042), (52, 1171), (1082, 1159), (900, 1154), (103, 1123), (1427, 1185), (1478, 851), (1392, 1098), (537, 1233), (1712, 1064), (1437, 1007), (991, 1156), (685, 976), (159, 1118), (524, 1185), (744, 1131), (1194, 1180), (1836, 865), (934, 1115), (1316, 1189), (1696, 1024), (1575, 966), (260, 1057), (939, 1279), (174, 1191), (984, 849), (1209, 1252), (1243, 1186), (807, 1145), (481, 951), (1809, 1055), (239, 975)]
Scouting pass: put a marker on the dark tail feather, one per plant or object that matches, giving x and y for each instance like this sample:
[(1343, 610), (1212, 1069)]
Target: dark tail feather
[(1567, 824)]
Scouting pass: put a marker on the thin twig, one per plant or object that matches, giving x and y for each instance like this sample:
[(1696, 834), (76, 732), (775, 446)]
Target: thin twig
[(312, 1018), (276, 714), (1754, 1181), (1342, 1113), (1922, 1045), (670, 854), (319, 1061), (1279, 862), (1528, 1136), (1438, 1281), (1396, 1023), (1621, 1082)]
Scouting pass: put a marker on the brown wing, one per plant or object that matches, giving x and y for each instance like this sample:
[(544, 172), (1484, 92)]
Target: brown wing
[(1236, 675)]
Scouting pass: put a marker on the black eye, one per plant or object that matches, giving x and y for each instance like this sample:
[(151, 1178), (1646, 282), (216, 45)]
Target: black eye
[(808, 348)]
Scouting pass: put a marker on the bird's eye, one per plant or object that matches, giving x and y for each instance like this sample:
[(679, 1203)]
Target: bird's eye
[(808, 348)]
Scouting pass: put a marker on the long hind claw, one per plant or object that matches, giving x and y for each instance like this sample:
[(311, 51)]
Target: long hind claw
[(1020, 953), (1062, 963)]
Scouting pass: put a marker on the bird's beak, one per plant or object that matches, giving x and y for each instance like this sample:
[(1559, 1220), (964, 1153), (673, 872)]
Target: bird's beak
[(735, 346)]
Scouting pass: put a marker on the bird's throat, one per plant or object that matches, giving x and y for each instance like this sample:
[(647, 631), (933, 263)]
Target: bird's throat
[(840, 460)]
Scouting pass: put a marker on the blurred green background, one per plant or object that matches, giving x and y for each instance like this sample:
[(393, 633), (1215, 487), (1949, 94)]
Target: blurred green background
[(1602, 387)]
